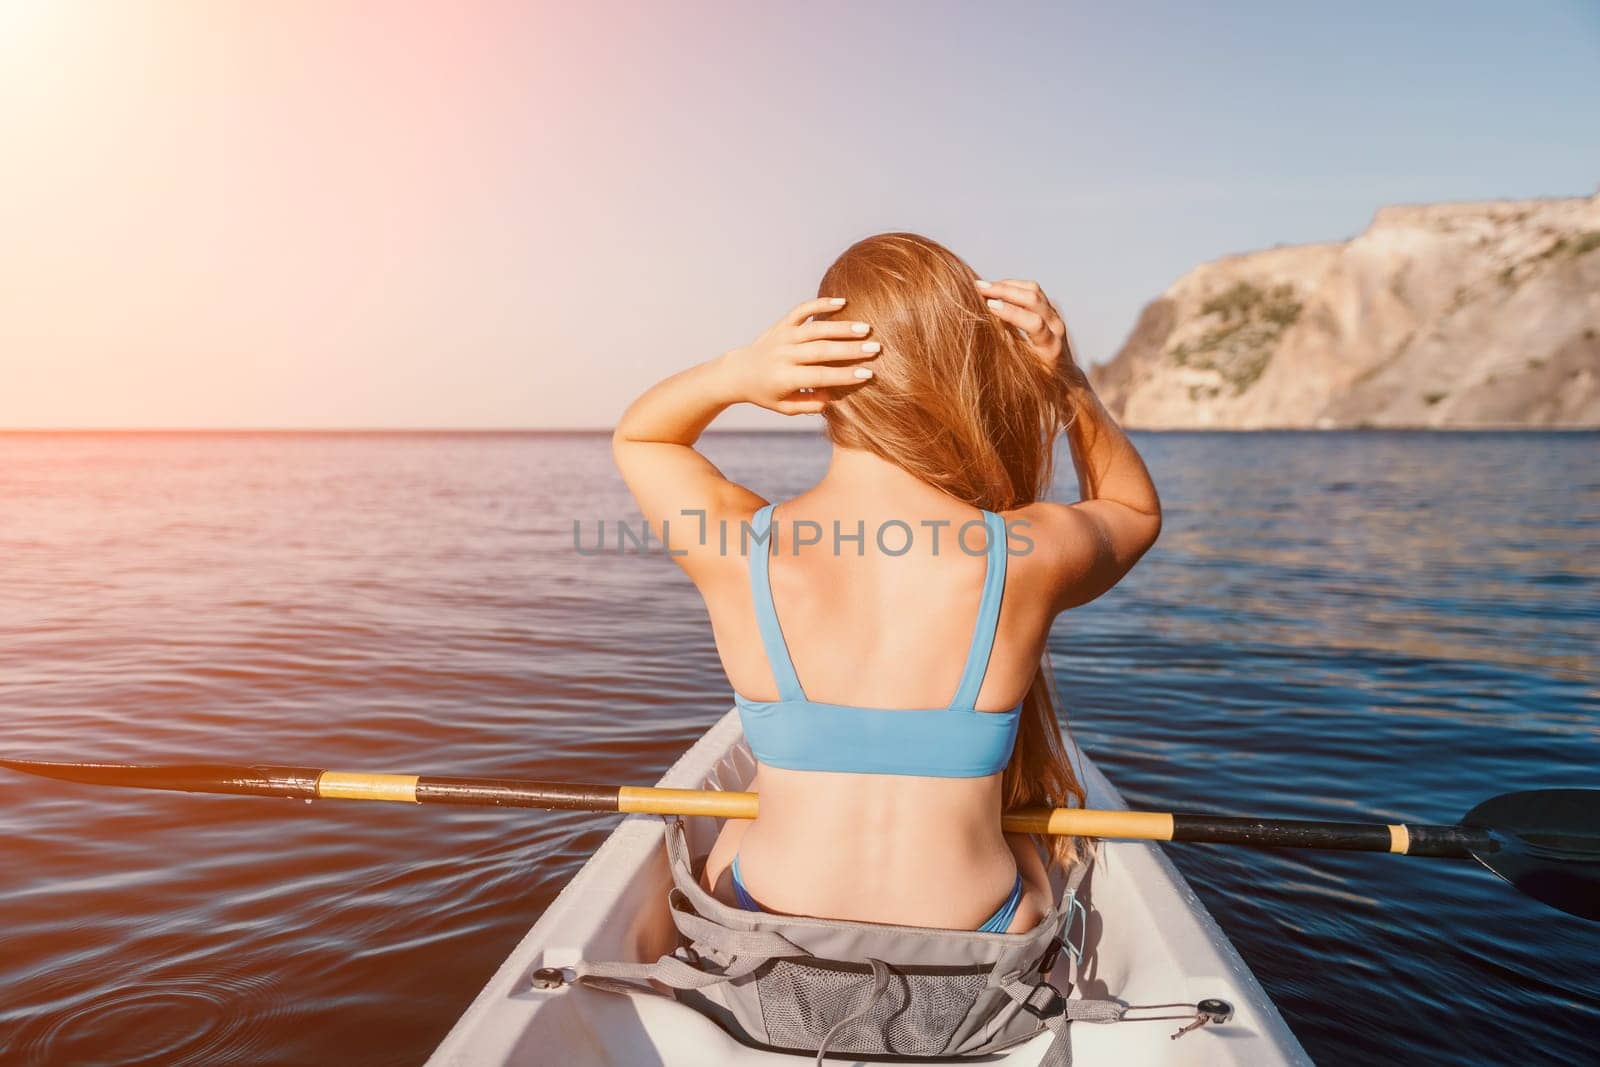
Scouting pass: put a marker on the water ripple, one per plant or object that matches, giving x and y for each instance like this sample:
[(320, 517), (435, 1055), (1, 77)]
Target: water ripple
[(1338, 626)]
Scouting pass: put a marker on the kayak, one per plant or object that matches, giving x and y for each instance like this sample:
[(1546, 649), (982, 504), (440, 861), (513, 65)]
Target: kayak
[(1148, 940)]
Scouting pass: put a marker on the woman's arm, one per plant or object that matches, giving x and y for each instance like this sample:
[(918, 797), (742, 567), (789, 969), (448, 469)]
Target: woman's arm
[(1119, 515), (1098, 539), (654, 442)]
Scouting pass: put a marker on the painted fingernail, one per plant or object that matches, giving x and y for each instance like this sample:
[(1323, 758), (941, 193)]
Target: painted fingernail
[(859, 327), (982, 284), (862, 372), (997, 305), (837, 301), (870, 346)]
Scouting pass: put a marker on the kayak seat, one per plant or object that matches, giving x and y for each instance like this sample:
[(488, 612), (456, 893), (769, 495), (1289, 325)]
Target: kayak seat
[(795, 984)]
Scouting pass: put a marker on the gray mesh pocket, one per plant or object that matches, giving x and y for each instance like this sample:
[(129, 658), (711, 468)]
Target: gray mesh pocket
[(802, 999)]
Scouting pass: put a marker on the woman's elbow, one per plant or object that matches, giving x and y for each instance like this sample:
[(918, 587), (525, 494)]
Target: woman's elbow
[(1143, 533), (624, 450)]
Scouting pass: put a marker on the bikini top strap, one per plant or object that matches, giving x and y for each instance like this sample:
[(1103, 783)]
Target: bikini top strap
[(760, 547), (994, 587)]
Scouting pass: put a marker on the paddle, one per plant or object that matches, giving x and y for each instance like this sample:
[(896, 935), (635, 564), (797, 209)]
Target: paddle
[(1546, 842)]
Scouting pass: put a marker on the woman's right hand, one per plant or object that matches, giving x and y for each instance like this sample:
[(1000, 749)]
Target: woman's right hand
[(791, 367)]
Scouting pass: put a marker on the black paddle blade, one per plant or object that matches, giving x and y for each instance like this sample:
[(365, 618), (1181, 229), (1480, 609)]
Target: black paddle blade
[(184, 777), (1548, 845)]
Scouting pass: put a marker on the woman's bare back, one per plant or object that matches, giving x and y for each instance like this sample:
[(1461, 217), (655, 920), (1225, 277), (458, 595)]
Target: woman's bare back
[(880, 626)]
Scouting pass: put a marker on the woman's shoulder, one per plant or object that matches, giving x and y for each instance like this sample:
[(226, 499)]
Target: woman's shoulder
[(1041, 524), (1046, 543), (712, 540), (1075, 552)]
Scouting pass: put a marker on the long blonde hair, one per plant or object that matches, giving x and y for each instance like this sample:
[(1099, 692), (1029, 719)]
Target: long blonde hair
[(958, 399)]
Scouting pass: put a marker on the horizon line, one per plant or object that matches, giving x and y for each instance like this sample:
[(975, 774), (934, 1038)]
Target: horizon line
[(713, 431), (15, 430)]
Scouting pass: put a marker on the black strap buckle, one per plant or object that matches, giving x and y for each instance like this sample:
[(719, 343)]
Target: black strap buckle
[(1055, 1005), (1052, 952)]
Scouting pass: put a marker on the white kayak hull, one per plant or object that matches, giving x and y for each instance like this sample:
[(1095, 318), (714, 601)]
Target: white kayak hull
[(1151, 942)]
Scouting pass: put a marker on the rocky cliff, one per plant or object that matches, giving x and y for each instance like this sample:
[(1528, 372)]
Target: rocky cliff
[(1446, 315)]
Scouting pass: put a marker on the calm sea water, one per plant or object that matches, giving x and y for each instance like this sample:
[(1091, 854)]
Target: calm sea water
[(1376, 625)]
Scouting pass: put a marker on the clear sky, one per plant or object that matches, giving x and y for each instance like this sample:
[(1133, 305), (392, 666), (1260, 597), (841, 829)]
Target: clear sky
[(317, 213)]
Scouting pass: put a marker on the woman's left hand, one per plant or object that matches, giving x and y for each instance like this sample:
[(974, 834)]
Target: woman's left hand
[(1023, 304)]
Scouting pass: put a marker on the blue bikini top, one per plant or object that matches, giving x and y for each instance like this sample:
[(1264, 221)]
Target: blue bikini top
[(805, 735)]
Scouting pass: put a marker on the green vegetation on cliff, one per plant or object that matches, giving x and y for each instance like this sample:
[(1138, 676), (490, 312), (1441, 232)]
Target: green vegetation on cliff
[(1241, 345)]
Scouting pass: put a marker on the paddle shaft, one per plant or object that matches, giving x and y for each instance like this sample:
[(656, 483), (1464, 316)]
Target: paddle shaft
[(312, 784)]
